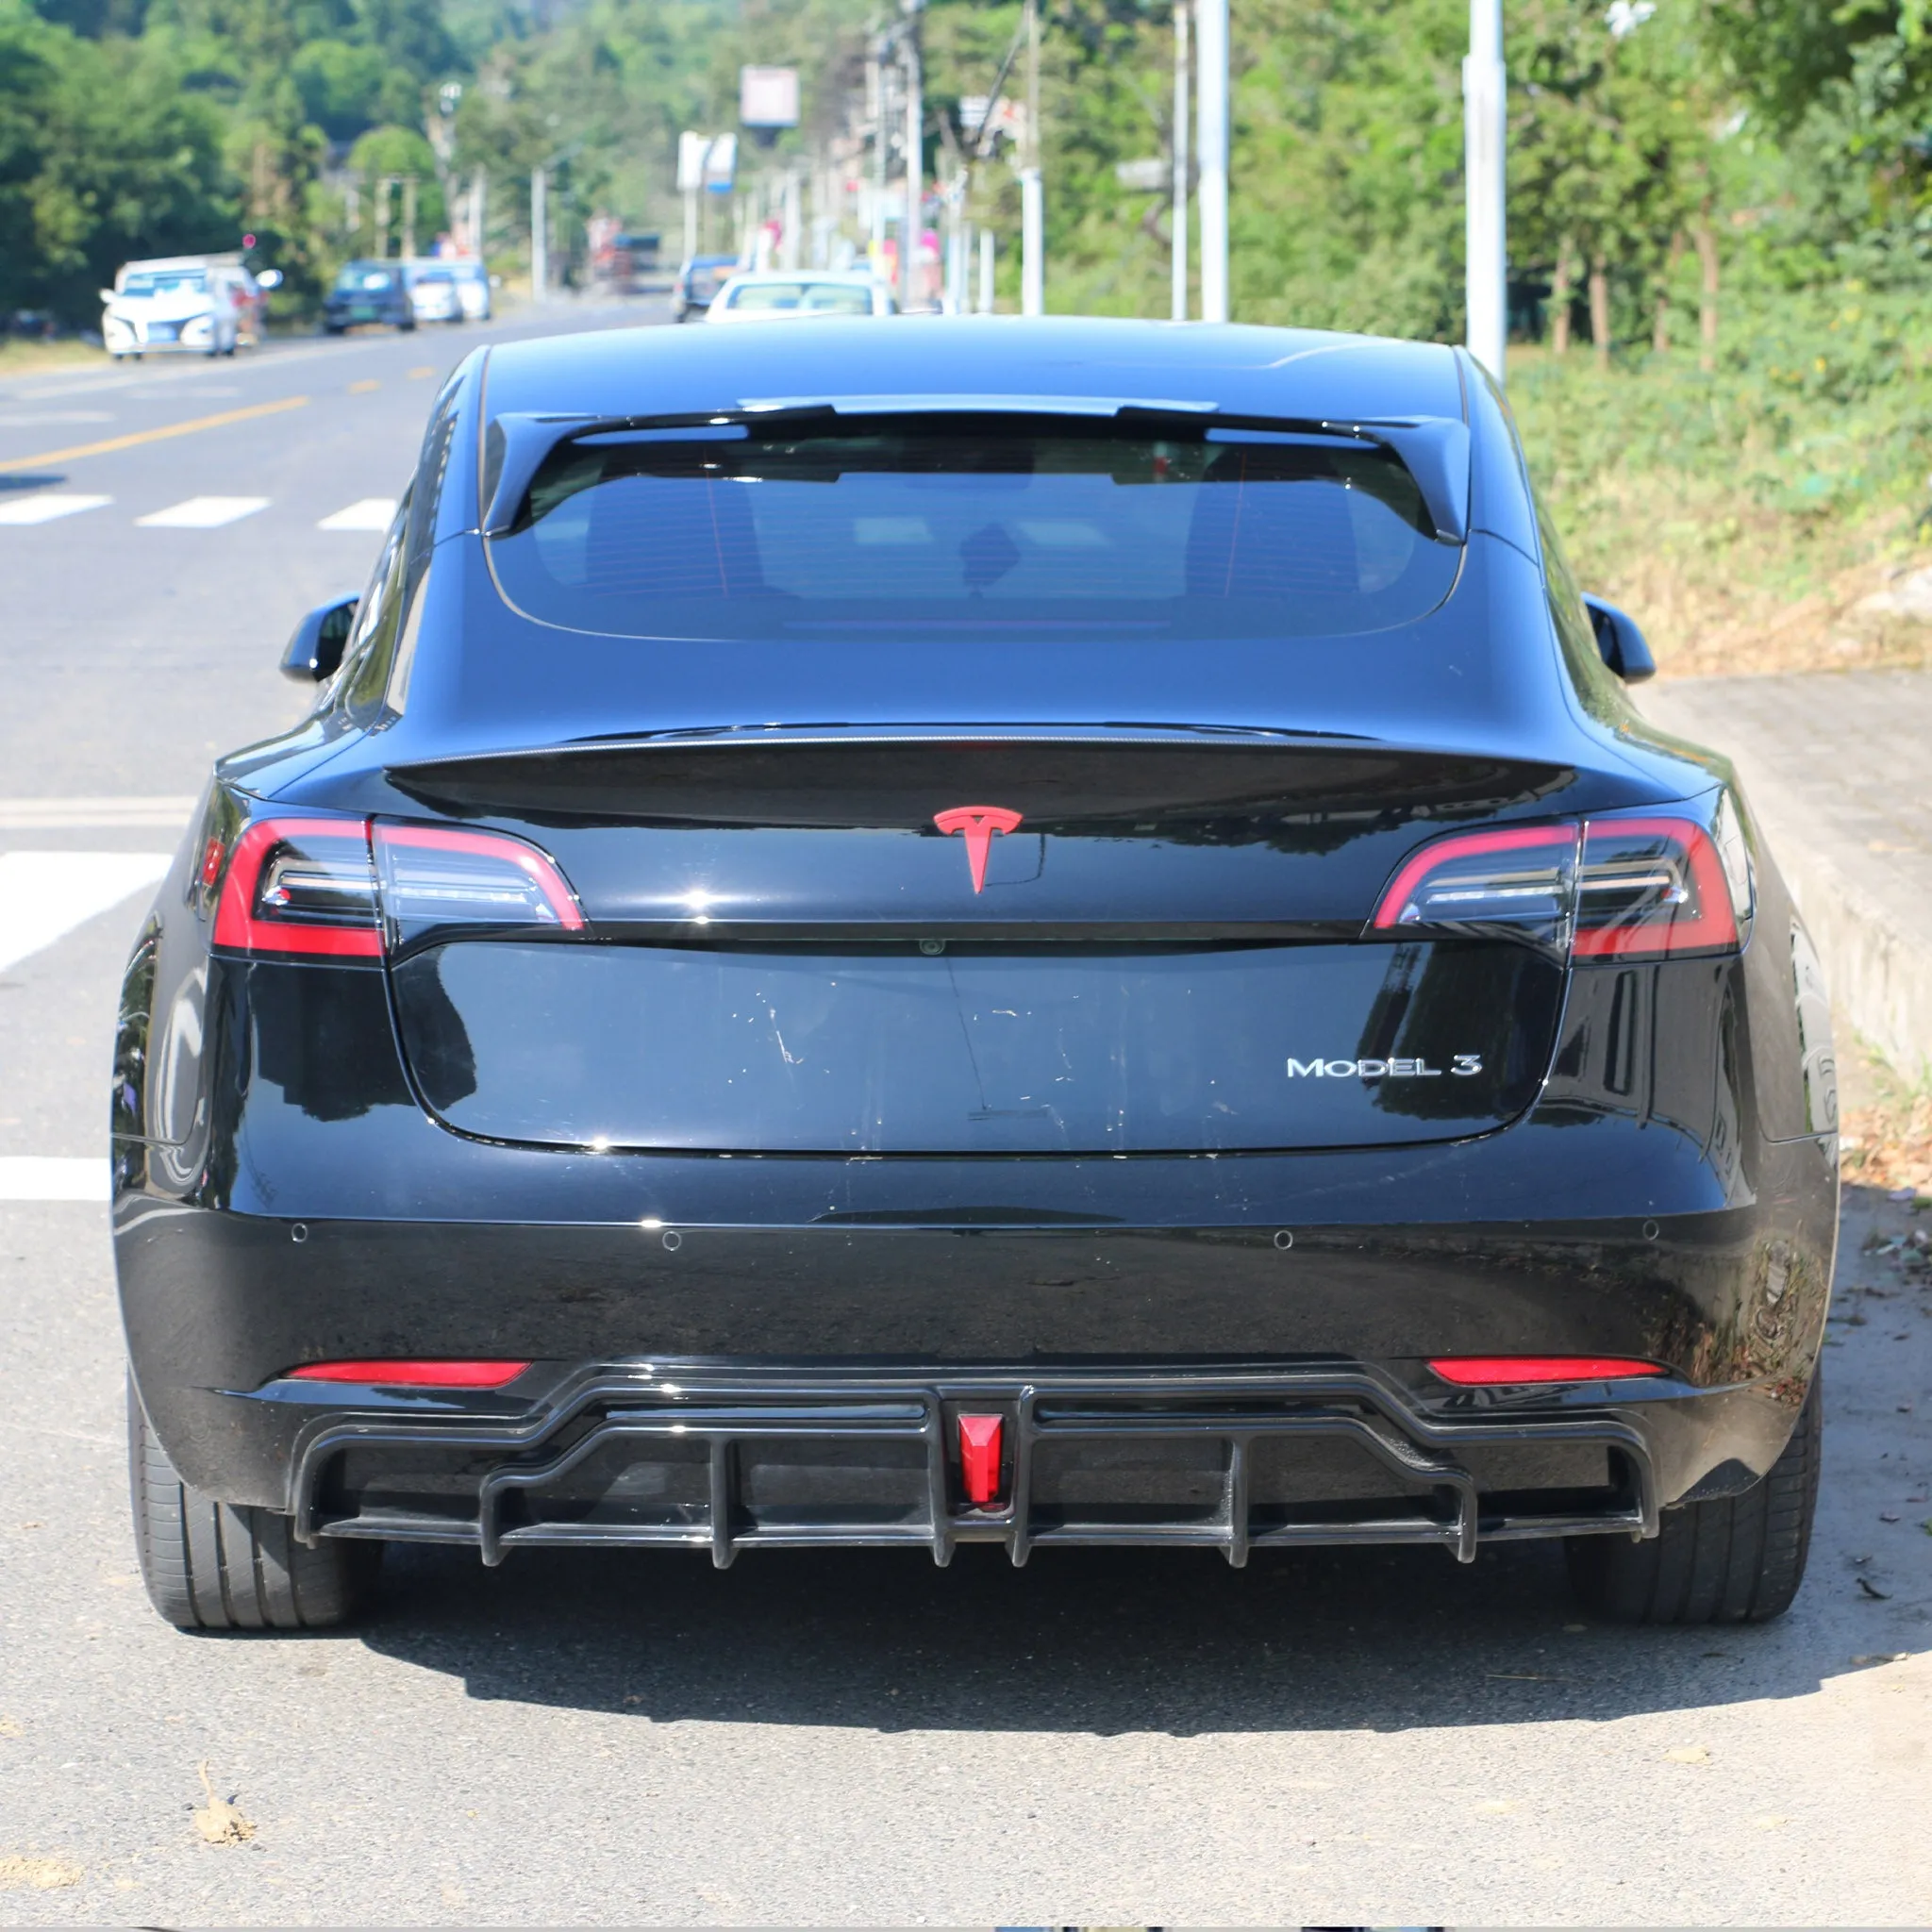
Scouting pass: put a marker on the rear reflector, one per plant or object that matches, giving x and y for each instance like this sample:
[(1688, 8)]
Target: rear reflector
[(1500, 1371), (412, 1374), (979, 1457), (1630, 888)]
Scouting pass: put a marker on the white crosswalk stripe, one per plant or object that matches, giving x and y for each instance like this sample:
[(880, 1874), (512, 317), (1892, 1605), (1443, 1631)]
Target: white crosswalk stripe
[(47, 894), (204, 514), (370, 513), (53, 1177), (46, 504)]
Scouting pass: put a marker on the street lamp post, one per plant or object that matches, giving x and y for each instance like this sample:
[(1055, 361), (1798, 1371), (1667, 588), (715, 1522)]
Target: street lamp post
[(1211, 92), (915, 162), (1032, 194), (1180, 160), (1484, 129)]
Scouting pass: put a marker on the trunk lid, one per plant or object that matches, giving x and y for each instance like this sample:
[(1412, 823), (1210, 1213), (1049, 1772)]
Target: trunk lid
[(787, 951)]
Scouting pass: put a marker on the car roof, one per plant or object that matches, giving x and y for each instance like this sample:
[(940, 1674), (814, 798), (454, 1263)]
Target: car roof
[(1064, 360)]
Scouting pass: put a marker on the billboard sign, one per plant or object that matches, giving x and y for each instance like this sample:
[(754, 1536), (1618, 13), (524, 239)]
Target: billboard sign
[(768, 96)]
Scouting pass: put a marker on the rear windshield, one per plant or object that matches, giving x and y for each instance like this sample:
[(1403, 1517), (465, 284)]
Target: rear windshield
[(962, 526), (354, 280), (815, 298)]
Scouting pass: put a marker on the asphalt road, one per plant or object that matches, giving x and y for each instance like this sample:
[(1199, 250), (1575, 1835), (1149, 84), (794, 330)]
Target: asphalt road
[(1101, 1738)]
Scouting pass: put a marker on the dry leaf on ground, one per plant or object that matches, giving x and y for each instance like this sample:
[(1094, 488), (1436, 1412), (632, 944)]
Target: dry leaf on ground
[(43, 1875), (219, 1821)]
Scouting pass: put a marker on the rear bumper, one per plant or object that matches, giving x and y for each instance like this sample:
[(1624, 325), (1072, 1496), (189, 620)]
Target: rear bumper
[(723, 1460)]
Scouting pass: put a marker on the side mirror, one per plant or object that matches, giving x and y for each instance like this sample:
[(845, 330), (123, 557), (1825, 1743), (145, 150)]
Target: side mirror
[(268, 278), (107, 294), (1619, 642), (315, 652)]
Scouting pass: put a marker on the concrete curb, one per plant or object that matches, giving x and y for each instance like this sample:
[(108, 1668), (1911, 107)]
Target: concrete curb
[(1829, 765)]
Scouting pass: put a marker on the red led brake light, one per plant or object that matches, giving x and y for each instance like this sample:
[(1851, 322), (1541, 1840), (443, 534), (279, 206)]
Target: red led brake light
[(244, 925), (411, 895), (1504, 1371), (1676, 897), (1441, 853), (432, 1374)]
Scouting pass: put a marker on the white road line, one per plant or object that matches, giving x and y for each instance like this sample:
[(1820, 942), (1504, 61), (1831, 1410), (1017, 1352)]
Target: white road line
[(370, 513), (47, 894), (38, 814), (53, 1177), (47, 505), (204, 514)]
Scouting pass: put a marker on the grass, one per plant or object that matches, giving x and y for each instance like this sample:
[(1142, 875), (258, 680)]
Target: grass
[(1748, 516), (19, 357)]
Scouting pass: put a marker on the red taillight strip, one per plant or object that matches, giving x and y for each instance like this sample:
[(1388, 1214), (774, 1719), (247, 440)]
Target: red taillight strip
[(418, 1374), (236, 925), (542, 872), (1711, 927), (1501, 1371), (1421, 863)]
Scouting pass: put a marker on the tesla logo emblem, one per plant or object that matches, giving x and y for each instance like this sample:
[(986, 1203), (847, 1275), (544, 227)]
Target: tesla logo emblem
[(980, 822)]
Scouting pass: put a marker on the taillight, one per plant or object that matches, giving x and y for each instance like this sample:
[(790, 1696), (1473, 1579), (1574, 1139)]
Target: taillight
[(303, 886), (1520, 878), (435, 875), (1652, 886), (1638, 887), (439, 1372), (1508, 1371), (345, 888)]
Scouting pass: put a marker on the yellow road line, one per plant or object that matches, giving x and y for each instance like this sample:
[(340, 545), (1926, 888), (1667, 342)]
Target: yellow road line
[(362, 388), (140, 436), (417, 374)]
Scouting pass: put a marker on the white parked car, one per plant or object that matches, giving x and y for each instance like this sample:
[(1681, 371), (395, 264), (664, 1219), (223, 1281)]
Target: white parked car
[(182, 306), (433, 291), (473, 288), (794, 295)]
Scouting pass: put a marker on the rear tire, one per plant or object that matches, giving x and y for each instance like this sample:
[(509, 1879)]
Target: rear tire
[(219, 1566), (1733, 1560)]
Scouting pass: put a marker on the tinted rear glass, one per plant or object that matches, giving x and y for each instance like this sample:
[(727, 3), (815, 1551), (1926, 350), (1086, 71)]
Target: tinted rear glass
[(816, 298), (962, 526)]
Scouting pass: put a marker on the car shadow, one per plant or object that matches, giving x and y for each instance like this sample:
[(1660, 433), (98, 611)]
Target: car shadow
[(1091, 1641)]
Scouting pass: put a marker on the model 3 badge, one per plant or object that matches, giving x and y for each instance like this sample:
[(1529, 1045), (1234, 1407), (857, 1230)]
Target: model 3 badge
[(1464, 1065), (980, 822)]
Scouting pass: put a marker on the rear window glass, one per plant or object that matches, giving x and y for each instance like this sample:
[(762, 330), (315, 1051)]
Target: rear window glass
[(962, 526), (815, 298)]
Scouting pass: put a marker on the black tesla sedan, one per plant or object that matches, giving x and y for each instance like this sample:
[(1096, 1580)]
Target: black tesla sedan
[(1017, 932)]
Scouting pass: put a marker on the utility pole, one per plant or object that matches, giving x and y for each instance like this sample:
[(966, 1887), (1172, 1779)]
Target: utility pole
[(383, 184), (1484, 128), (1181, 107), (539, 235), (1211, 92), (792, 216), (876, 74), (915, 155), (409, 216), (986, 245), (1032, 196)]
